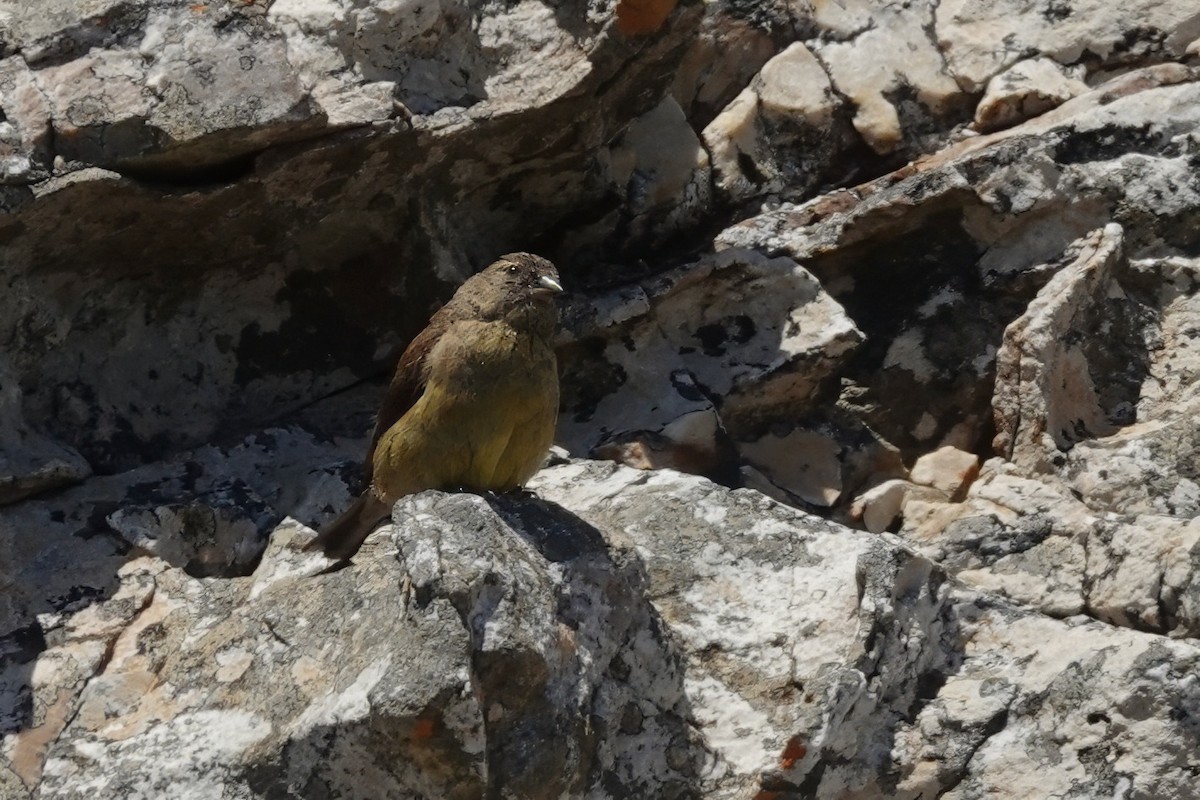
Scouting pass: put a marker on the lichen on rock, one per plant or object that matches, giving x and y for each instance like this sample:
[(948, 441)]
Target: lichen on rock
[(887, 315)]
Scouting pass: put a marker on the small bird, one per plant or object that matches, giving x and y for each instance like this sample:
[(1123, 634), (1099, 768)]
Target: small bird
[(473, 403)]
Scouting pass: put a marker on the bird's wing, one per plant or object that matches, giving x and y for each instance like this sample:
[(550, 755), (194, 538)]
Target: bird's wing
[(407, 386)]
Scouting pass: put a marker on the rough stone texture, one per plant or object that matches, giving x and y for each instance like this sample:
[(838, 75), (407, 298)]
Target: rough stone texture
[(1023, 91), (866, 84), (779, 134), (628, 634), (1083, 243), (30, 463), (332, 165), (948, 469), (699, 358), (1046, 398), (958, 244), (664, 171), (1101, 36), (884, 59), (837, 254)]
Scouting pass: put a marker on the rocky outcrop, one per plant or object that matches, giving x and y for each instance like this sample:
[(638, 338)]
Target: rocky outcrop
[(628, 634), (909, 290), (324, 163)]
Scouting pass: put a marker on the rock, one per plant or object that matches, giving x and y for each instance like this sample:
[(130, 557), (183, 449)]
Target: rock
[(905, 78), (1031, 539), (665, 172), (622, 635), (319, 161), (30, 463), (1148, 466), (887, 63), (1046, 397), (878, 507), (25, 153), (1023, 91), (1101, 35), (981, 219), (189, 97), (217, 537), (947, 468), (686, 346), (706, 81), (778, 134), (822, 460), (219, 220), (1020, 536)]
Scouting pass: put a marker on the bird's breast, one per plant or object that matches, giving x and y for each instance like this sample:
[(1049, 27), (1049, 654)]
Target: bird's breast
[(491, 357), (485, 419)]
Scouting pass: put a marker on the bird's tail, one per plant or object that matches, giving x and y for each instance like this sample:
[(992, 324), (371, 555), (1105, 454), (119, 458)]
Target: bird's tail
[(341, 538)]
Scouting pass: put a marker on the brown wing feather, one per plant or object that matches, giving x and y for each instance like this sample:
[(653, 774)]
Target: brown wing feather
[(407, 385)]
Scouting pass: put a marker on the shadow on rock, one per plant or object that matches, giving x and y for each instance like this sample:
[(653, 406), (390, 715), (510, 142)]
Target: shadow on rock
[(480, 647), (579, 684), (55, 560)]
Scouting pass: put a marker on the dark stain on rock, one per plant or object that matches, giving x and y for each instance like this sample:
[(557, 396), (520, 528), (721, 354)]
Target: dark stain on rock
[(712, 338), (1114, 141), (1056, 11), (151, 638), (743, 328), (687, 387), (120, 24), (77, 597), (749, 169), (23, 644), (773, 17), (20, 646)]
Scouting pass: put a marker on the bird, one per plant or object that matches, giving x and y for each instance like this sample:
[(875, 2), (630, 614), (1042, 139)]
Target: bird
[(473, 403)]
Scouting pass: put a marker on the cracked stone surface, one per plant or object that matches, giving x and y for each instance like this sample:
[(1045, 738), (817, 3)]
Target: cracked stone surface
[(628, 633), (887, 312), (325, 163)]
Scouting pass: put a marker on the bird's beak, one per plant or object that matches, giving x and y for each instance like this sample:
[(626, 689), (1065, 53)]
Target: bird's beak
[(545, 282)]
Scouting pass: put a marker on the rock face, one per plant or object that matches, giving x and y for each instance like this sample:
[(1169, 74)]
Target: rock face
[(888, 313), (326, 163), (629, 634)]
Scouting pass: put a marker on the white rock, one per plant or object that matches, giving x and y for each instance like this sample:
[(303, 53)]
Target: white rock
[(1025, 90), (946, 468), (879, 506)]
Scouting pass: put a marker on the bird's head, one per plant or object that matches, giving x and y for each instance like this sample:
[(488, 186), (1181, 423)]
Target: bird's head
[(520, 287)]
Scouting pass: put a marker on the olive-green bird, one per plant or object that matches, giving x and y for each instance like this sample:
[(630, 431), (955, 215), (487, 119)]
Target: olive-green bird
[(473, 403)]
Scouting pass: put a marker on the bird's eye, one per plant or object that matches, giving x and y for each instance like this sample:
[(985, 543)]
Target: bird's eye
[(512, 269)]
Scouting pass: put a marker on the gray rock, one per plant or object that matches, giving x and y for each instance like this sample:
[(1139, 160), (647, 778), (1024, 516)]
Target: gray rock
[(912, 256), (220, 218), (30, 462), (672, 371), (1048, 392), (626, 634), (779, 136), (334, 166)]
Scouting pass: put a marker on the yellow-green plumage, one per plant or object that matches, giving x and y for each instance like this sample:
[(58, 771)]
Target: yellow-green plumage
[(473, 402), (485, 420)]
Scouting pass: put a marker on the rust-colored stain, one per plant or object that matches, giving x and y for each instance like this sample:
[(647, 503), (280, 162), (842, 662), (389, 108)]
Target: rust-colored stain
[(793, 751), (643, 16), (198, 8), (424, 728)]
